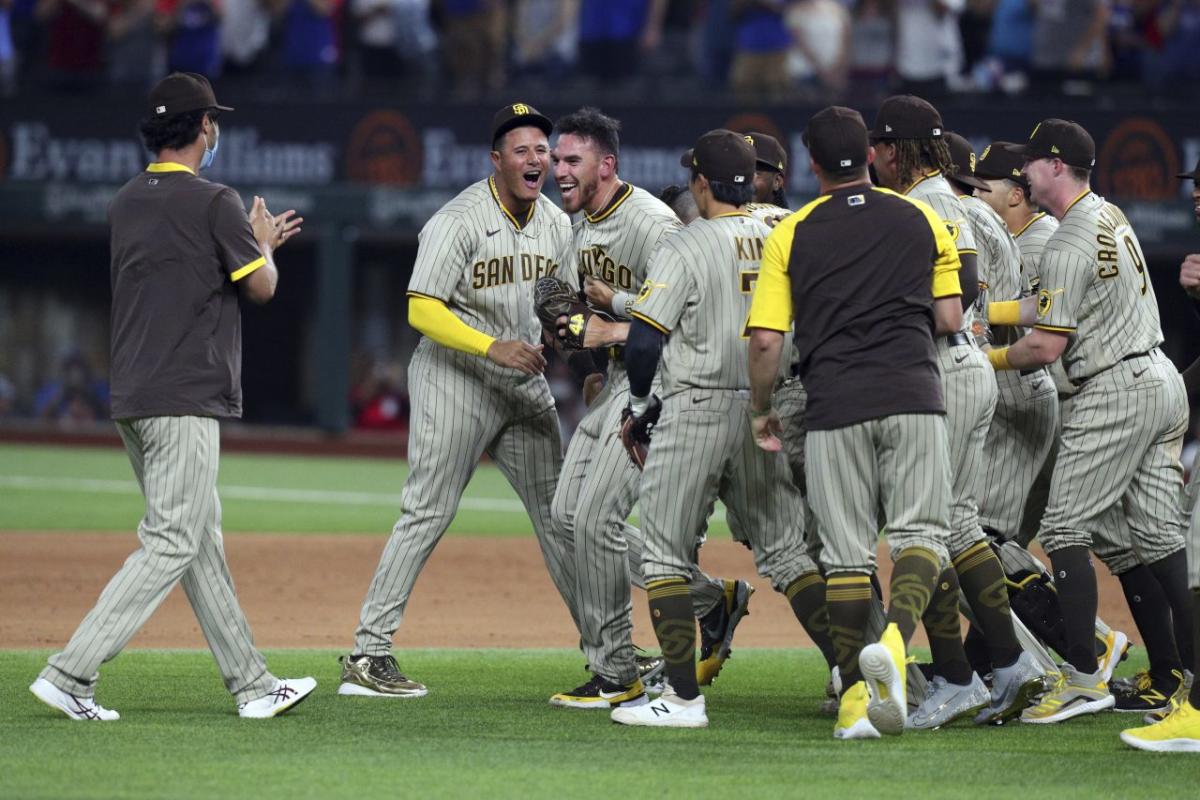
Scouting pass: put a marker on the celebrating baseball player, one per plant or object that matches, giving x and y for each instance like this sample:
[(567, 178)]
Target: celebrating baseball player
[(1122, 431), (476, 378)]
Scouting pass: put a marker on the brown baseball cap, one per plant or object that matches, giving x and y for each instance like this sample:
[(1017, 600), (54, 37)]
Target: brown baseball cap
[(998, 161), (517, 115), (1062, 139), (768, 151), (722, 155), (181, 92), (906, 116), (836, 138), (963, 156), (1193, 175)]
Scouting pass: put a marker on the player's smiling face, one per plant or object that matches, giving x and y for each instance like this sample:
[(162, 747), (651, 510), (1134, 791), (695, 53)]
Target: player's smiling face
[(1040, 174), (522, 163), (576, 171)]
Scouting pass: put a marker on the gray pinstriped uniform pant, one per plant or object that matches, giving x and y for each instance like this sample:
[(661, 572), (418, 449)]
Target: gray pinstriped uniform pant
[(175, 460), (1119, 448), (596, 493), (457, 416), (1191, 524), (969, 386)]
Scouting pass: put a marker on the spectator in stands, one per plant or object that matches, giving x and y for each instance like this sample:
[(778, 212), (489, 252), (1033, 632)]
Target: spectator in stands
[(610, 33), (974, 26), (716, 42), (379, 401), (245, 29), (545, 37), (872, 44), (820, 54), (191, 30), (761, 46), (476, 32), (131, 43), (1009, 49), (376, 23), (1178, 63), (75, 41), (8, 52), (309, 39), (1069, 44), (1134, 38), (929, 52), (75, 396)]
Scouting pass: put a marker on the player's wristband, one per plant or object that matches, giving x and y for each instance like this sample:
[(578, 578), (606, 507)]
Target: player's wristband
[(1005, 312), (621, 302), (998, 356)]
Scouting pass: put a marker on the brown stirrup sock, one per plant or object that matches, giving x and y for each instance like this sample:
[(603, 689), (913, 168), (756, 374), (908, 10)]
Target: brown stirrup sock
[(944, 631), (675, 627), (913, 577), (848, 599), (982, 580), (806, 595)]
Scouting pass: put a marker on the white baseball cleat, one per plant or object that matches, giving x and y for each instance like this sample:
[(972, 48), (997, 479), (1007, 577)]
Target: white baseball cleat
[(286, 695), (75, 707), (668, 711)]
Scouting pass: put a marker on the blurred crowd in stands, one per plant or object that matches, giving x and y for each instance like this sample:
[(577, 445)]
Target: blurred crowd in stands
[(478, 49)]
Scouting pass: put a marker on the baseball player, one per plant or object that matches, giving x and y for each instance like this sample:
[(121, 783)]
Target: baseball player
[(691, 316), (679, 199), (178, 242), (476, 378), (869, 276), (1177, 729), (620, 226), (912, 158), (1122, 431), (770, 170)]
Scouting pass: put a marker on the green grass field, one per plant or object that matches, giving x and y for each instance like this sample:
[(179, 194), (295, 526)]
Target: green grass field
[(61, 488), (486, 730)]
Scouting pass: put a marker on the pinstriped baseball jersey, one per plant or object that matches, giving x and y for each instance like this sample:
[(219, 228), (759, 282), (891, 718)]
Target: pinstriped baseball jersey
[(482, 262), (615, 243), (935, 190), (1095, 286), (764, 212), (698, 289), (999, 256), (1031, 239)]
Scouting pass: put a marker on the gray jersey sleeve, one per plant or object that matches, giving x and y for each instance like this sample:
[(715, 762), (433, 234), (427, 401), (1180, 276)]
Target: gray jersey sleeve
[(444, 247), (668, 289)]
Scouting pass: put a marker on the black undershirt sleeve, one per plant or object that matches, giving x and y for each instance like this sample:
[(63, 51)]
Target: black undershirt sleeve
[(643, 347), (968, 277)]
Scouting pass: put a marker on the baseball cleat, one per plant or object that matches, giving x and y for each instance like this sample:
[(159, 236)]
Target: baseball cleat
[(1013, 688), (946, 702), (1073, 694), (1179, 698), (852, 722), (286, 695), (652, 671), (833, 688), (668, 711), (717, 627), (1151, 693), (1116, 645), (599, 693), (376, 676), (75, 707), (883, 665), (1178, 733)]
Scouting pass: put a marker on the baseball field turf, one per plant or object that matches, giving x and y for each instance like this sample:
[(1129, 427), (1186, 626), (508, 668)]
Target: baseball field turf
[(485, 729)]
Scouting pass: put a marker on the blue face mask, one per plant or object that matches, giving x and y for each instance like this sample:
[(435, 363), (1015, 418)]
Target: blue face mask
[(207, 159)]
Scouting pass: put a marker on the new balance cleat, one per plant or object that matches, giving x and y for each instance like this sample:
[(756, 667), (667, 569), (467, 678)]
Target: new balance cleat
[(1179, 698), (883, 665), (668, 711), (717, 627), (1013, 688), (946, 702), (1073, 694), (376, 676), (1178, 733), (1151, 693), (852, 721), (599, 693)]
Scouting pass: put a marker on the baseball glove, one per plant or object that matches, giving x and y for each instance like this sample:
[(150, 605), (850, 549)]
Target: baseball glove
[(636, 430), (554, 299)]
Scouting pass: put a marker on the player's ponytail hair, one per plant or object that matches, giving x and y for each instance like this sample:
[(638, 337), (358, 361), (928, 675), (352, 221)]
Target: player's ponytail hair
[(915, 157)]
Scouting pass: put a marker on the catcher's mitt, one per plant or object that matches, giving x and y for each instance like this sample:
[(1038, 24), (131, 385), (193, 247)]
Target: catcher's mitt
[(636, 430), (554, 299)]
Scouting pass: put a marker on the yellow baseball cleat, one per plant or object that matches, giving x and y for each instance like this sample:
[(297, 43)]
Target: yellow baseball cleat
[(1074, 693), (852, 722), (717, 627), (1178, 733), (883, 665)]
